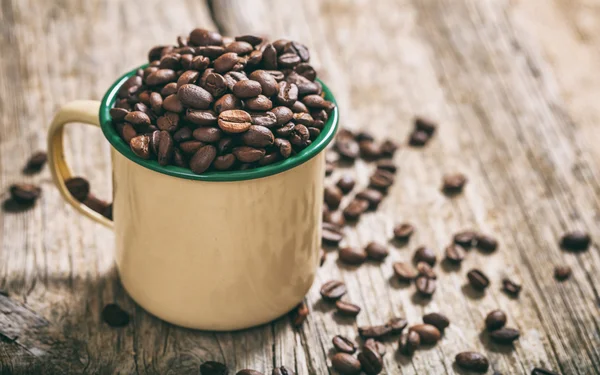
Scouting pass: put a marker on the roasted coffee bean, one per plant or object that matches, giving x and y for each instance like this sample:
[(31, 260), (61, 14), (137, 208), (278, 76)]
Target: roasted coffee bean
[(300, 135), (424, 269), (156, 52), (333, 290), (280, 44), (194, 96), (306, 70), (425, 125), (269, 158), (288, 60), (347, 308), (248, 372), (200, 63), (284, 146), (486, 243), (95, 204), (283, 115), (190, 147), (29, 193), (504, 335), (187, 58), (118, 114), (404, 271), (303, 118), (402, 232), (161, 77), (241, 48), (369, 150), (352, 255), (227, 102), (213, 368), (299, 107), (334, 217), (173, 104), (178, 159), (253, 40), (269, 57), (283, 370), (331, 234), (346, 183), (425, 254), (425, 285), (299, 314), (225, 62), (455, 253), (36, 162), (347, 148), (511, 287), (562, 273), (376, 346), (286, 130), (190, 76), (267, 119), (329, 167), (212, 52), (495, 319), (542, 371), (202, 37), (374, 332), (370, 361), (138, 119), (418, 138), (171, 61), (247, 89), (232, 78), (203, 158), (114, 315), (258, 136), (466, 239), (287, 93), (428, 333), (345, 364), (397, 325), (387, 165), (381, 180), (439, 321), (235, 121), (214, 83), (169, 122), (140, 146), (154, 141), (478, 279), (356, 208), (409, 342), (169, 89), (376, 251), (297, 49), (575, 241), (362, 135), (156, 102), (343, 345), (259, 103), (165, 148), (247, 154), (453, 183), (79, 188), (208, 134), (472, 361), (267, 82), (333, 196), (130, 87), (388, 148), (224, 162), (201, 117)]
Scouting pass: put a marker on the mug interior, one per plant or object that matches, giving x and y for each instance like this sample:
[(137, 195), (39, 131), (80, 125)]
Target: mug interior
[(326, 136)]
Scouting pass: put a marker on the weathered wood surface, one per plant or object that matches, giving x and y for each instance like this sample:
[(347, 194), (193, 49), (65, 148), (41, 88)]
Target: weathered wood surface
[(512, 84)]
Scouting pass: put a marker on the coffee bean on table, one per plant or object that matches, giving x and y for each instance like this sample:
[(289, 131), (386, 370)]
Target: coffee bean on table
[(424, 269), (370, 361), (347, 148), (248, 372), (345, 364), (96, 204), (453, 183), (486, 243), (428, 333), (335, 217), (381, 180), (25, 193), (333, 196), (478, 280), (387, 165), (402, 232), (283, 370), (425, 286), (466, 239), (114, 316), (333, 290), (343, 344), (455, 254), (425, 254), (376, 251), (404, 271), (511, 287), (374, 332), (397, 325), (504, 335), (472, 361), (347, 308), (346, 183), (331, 234), (388, 149), (355, 208), (79, 188), (352, 255), (562, 273), (575, 241), (372, 196), (377, 346), (495, 319), (299, 314), (409, 342), (542, 371), (418, 138), (36, 162), (203, 158), (213, 368), (369, 150), (439, 321), (425, 125)]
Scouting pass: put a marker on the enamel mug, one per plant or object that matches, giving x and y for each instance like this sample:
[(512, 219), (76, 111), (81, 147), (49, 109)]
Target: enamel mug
[(214, 251)]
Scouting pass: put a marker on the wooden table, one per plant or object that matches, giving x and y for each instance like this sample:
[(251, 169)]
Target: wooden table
[(514, 85)]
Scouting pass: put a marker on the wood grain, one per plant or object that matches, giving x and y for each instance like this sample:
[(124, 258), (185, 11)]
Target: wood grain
[(516, 115)]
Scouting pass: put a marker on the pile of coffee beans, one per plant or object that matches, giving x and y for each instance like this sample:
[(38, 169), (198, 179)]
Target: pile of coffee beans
[(217, 103)]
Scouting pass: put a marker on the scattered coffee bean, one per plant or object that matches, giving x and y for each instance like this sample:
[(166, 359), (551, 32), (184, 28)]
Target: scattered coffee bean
[(331, 234), (409, 342), (562, 273), (333, 290), (95, 204), (347, 148), (511, 287), (454, 183), (374, 332), (248, 372), (114, 316), (335, 217), (388, 149), (345, 364), (397, 325), (425, 125), (370, 361), (369, 150), (344, 345), (424, 269), (575, 241), (418, 138), (495, 319), (374, 197), (381, 180), (355, 208), (504, 335), (425, 254), (376, 251), (478, 280), (455, 253), (36, 162), (404, 271), (352, 255), (466, 239), (213, 368), (542, 371), (425, 286), (387, 165), (299, 314), (364, 135), (402, 232), (347, 308), (79, 188), (427, 333), (377, 346), (25, 193), (486, 243), (346, 183), (283, 370), (439, 321), (472, 361), (333, 196)]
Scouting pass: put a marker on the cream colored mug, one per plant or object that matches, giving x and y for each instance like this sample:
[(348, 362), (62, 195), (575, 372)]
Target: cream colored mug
[(215, 251)]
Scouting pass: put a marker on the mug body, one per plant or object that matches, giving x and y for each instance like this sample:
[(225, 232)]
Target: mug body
[(217, 255)]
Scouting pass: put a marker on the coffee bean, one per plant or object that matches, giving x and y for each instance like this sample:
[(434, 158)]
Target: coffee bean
[(397, 325), (173, 104), (381, 180), (259, 103), (425, 125), (372, 196), (269, 158), (388, 149), (214, 83), (466, 239), (345, 364), (241, 48), (267, 82), (346, 183), (409, 342), (504, 335), (208, 134), (169, 122), (248, 372), (418, 138), (333, 290), (178, 159), (224, 162), (225, 62), (79, 188), (376, 346), (284, 146), (283, 370), (140, 146), (194, 97), (374, 332), (247, 154), (306, 70), (266, 119), (203, 158), (344, 345), (402, 232), (190, 147), (425, 285), (283, 115), (439, 321), (542, 371), (376, 251), (297, 49), (165, 148), (454, 183), (495, 319), (247, 89), (201, 117), (36, 162), (428, 333), (329, 167), (169, 89), (138, 119), (347, 148), (387, 165), (200, 63), (27, 193), (369, 150), (234, 121), (370, 361), (347, 308), (472, 361), (562, 273), (258, 136), (96, 204), (114, 316), (404, 271), (334, 217), (118, 114), (322, 257), (299, 314), (425, 254), (486, 243), (251, 39), (511, 287), (331, 234), (575, 241), (352, 255), (280, 44), (269, 57), (333, 196), (287, 93), (356, 208), (455, 253), (227, 102), (478, 279), (202, 37), (161, 77), (213, 368), (424, 269), (288, 60)]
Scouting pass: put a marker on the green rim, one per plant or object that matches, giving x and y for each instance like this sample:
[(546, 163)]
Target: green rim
[(303, 156)]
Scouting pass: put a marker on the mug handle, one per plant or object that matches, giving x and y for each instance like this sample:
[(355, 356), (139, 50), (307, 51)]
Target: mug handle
[(83, 111)]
